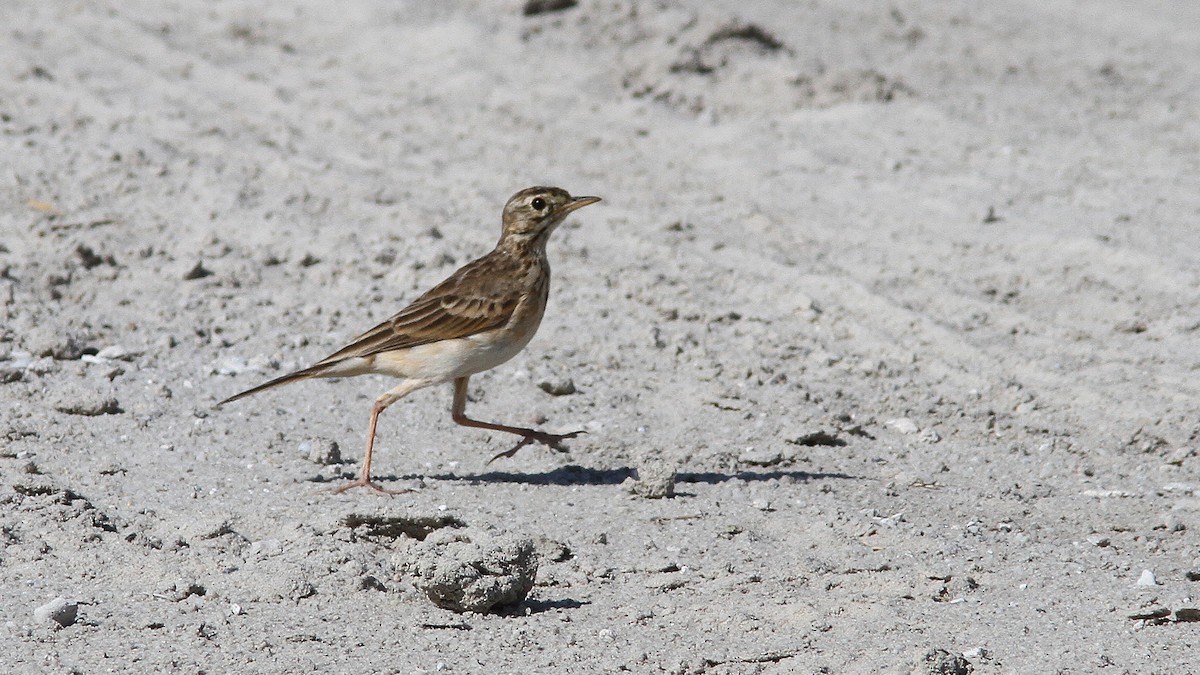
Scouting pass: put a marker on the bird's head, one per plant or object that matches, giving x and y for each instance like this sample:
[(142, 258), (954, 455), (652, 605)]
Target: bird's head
[(534, 212)]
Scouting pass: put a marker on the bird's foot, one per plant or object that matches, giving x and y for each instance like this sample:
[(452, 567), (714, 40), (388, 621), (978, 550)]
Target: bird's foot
[(553, 441), (365, 482)]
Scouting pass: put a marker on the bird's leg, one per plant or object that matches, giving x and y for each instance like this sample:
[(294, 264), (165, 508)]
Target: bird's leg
[(458, 414), (381, 404)]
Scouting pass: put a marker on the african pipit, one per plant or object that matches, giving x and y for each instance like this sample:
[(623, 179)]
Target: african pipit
[(475, 320)]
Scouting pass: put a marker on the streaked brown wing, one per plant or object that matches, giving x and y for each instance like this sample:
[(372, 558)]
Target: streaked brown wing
[(479, 297)]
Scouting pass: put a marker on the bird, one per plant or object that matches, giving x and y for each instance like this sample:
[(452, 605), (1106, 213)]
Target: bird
[(479, 317)]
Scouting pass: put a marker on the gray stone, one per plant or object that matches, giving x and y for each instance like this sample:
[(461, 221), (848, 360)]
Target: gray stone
[(473, 572), (59, 610), (656, 480)]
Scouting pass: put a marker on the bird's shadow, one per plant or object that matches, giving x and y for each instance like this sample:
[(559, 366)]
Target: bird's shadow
[(574, 474)]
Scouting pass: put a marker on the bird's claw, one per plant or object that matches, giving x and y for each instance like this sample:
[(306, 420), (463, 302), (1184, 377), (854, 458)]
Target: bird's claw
[(553, 441), (364, 483)]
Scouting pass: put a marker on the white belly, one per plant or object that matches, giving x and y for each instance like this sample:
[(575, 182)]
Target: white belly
[(451, 359)]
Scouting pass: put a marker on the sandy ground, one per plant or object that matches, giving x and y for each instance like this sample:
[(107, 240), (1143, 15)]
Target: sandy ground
[(905, 293)]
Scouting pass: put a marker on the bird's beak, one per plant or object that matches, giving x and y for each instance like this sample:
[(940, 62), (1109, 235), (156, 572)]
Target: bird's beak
[(578, 203)]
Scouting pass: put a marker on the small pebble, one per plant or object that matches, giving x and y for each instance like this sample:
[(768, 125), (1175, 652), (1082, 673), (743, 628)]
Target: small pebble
[(551, 550), (815, 437), (962, 585), (762, 505), (1187, 614), (59, 610), (48, 341), (764, 457), (1151, 614), (1173, 522), (902, 425), (1179, 455), (369, 583), (558, 386), (942, 662), (656, 480), (1147, 579), (266, 548), (322, 451), (183, 589), (806, 308), (86, 402), (116, 352)]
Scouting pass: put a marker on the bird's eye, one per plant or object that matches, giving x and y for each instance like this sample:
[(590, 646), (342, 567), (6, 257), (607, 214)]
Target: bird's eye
[(538, 203)]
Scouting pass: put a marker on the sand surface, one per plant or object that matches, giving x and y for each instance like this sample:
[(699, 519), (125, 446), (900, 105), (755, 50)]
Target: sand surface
[(904, 293)]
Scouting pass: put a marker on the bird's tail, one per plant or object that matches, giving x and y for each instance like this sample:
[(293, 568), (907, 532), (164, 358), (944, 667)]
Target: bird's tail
[(291, 377)]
